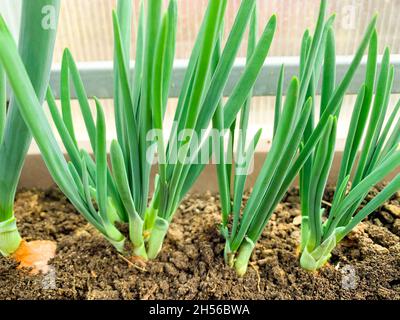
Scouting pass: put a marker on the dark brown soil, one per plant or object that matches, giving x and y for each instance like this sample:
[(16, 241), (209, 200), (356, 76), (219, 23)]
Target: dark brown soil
[(191, 265)]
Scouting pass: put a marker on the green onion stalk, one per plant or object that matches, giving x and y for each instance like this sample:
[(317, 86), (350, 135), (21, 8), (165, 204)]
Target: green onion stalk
[(36, 43), (108, 195), (288, 153), (378, 156)]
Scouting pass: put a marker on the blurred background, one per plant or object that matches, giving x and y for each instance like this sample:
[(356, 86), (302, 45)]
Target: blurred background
[(85, 26)]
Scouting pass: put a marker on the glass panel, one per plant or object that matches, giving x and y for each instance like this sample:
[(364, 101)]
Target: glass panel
[(85, 26)]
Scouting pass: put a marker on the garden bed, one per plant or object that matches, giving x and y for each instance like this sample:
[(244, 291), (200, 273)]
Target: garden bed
[(191, 264)]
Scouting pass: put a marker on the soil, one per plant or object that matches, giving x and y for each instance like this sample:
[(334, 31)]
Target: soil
[(366, 265)]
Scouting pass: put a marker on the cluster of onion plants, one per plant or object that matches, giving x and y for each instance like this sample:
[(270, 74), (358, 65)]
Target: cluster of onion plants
[(299, 145), (110, 194), (106, 195), (36, 44), (371, 154)]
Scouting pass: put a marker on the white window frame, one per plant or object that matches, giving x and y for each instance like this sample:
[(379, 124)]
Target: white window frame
[(98, 76)]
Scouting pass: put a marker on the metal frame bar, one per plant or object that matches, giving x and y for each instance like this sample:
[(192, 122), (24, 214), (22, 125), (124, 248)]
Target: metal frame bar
[(98, 76)]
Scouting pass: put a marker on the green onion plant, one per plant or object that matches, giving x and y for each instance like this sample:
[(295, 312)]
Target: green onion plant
[(36, 44), (364, 164), (106, 194), (288, 153)]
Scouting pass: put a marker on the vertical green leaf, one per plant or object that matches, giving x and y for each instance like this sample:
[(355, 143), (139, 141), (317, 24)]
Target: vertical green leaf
[(351, 147), (130, 121), (211, 34), (319, 176), (240, 180), (304, 51), (3, 102), (86, 188), (334, 105), (124, 13), (82, 98), (170, 50), (329, 71), (312, 55), (222, 166), (66, 97), (369, 91), (272, 161), (375, 151), (121, 179), (376, 114), (66, 138), (276, 189), (101, 162), (152, 29), (278, 100), (35, 48), (159, 101), (249, 76), (138, 73)]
